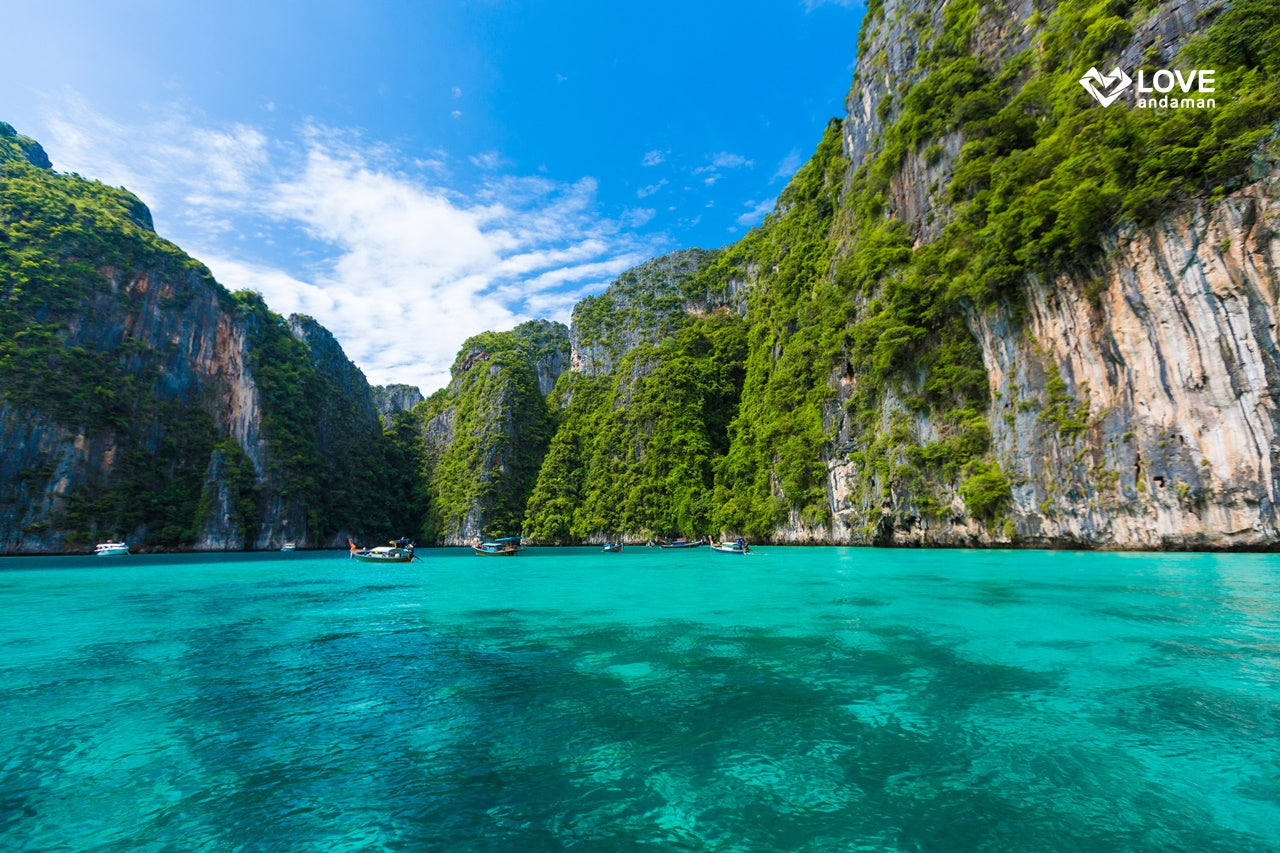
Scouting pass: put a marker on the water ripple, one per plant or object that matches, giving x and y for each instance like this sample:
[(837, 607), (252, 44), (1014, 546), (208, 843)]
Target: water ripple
[(952, 706)]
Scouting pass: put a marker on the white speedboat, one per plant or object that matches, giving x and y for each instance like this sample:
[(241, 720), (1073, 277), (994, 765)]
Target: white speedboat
[(111, 549)]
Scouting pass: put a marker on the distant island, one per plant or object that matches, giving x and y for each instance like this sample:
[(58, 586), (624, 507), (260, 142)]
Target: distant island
[(988, 311)]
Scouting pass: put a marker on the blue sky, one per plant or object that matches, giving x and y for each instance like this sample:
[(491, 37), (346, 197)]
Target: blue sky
[(411, 173)]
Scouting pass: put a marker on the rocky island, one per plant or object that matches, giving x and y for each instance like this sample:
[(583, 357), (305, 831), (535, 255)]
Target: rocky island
[(990, 310)]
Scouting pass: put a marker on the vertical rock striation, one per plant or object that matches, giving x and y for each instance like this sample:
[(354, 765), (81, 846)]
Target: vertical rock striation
[(1173, 362), (1132, 391)]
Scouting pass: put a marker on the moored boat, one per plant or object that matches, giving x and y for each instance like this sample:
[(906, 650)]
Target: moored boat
[(289, 546), (680, 543), (506, 546), (739, 547), (111, 549), (612, 547), (398, 551)]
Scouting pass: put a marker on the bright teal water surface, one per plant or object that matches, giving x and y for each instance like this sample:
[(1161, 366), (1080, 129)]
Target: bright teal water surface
[(795, 699)]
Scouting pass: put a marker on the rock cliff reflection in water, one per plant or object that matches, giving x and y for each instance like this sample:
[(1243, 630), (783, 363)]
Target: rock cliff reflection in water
[(797, 699)]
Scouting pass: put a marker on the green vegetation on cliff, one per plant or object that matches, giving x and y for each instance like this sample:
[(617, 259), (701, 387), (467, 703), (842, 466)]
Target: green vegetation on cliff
[(1046, 174), (63, 241), (635, 450), (857, 327), (486, 433), (643, 306), (831, 349), (774, 464), (326, 448), (96, 315)]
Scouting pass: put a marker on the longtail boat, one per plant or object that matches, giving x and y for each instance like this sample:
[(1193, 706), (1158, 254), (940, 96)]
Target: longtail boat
[(398, 551), (680, 543), (507, 546)]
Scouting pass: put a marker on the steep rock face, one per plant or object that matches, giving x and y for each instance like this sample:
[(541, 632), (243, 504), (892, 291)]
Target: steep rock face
[(239, 412), (1172, 366), (1132, 396), (346, 423), (389, 399), (545, 342), (168, 324), (131, 388), (41, 462), (644, 305), (485, 434), (1136, 409), (224, 530)]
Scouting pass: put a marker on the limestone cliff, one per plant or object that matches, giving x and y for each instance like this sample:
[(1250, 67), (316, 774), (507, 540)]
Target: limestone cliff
[(389, 399), (642, 306), (132, 385), (485, 434), (1173, 364), (990, 310), (1131, 385)]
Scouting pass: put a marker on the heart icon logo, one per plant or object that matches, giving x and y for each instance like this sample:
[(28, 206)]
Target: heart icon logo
[(1105, 88)]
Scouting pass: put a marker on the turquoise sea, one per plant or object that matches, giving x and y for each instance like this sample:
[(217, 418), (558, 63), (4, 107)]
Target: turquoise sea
[(821, 699)]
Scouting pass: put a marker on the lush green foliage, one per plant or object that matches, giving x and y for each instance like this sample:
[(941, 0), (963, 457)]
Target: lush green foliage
[(554, 512), (402, 494), (486, 433), (1046, 173), (61, 238), (634, 452), (774, 465), (80, 269), (986, 491), (644, 304)]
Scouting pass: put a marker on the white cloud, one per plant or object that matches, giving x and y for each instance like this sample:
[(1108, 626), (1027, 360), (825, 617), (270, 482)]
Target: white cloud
[(488, 160), (788, 166), (645, 192), (725, 160), (757, 211), (638, 217), (653, 158), (810, 5), (722, 160), (400, 267)]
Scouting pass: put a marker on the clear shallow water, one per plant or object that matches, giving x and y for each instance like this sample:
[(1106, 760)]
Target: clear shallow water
[(797, 699)]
